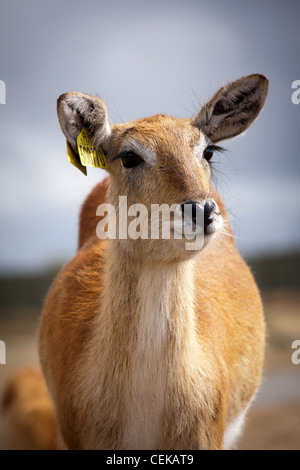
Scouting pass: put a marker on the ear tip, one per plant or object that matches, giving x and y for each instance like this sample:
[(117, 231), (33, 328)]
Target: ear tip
[(74, 97), (65, 96), (62, 99), (261, 79)]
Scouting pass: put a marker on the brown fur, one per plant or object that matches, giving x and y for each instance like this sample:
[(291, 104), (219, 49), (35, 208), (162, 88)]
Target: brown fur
[(88, 211), (28, 412), (232, 344), (144, 344)]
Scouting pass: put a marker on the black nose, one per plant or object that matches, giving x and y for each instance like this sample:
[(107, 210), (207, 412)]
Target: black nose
[(194, 210), (209, 208), (201, 215)]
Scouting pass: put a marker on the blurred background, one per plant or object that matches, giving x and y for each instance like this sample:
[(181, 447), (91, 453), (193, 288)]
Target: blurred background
[(144, 58)]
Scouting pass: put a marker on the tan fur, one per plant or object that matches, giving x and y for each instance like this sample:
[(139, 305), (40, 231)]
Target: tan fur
[(28, 413), (221, 344), (88, 211), (144, 344)]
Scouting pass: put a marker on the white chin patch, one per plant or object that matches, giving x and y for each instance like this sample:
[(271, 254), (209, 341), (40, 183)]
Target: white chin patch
[(216, 225)]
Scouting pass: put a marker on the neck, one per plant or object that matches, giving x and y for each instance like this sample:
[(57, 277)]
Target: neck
[(151, 311), (146, 302), (143, 342)]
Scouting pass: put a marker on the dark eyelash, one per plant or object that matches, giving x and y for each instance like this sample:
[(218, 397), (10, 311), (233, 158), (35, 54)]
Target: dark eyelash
[(214, 148), (124, 153), (119, 155), (209, 152), (217, 148)]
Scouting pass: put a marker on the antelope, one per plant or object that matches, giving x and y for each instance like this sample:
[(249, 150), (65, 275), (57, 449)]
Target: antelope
[(144, 344)]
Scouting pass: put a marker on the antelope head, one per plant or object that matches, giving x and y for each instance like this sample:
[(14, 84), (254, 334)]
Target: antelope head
[(165, 160)]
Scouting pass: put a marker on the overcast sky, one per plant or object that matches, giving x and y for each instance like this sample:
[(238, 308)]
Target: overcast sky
[(143, 58)]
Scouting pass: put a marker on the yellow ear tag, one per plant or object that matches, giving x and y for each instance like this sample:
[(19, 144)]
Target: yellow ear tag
[(90, 155), (75, 160)]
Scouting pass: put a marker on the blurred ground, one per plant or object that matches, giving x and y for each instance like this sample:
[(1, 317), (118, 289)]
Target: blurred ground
[(18, 330), (273, 422)]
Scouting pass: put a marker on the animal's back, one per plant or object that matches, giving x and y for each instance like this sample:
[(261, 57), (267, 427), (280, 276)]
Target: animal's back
[(28, 417), (88, 219)]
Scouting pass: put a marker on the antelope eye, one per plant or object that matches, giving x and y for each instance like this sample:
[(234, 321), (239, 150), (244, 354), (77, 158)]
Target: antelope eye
[(130, 159), (208, 153)]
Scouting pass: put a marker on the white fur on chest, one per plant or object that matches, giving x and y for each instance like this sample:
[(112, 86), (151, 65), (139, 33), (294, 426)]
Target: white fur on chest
[(146, 394)]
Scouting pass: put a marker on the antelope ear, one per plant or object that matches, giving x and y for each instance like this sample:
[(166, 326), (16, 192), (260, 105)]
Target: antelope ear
[(233, 108), (76, 110)]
